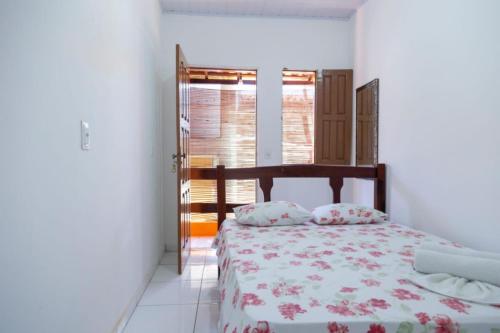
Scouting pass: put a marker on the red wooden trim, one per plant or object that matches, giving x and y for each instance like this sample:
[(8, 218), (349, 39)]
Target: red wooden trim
[(221, 195), (289, 171), (380, 188), (266, 184), (336, 184), (206, 207)]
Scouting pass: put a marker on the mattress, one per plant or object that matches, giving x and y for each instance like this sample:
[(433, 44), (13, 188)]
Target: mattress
[(352, 278)]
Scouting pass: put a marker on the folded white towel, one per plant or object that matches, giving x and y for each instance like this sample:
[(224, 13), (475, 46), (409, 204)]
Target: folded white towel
[(464, 263), (457, 287), (461, 251)]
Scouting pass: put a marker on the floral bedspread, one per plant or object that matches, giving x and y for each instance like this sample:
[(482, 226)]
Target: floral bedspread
[(353, 278)]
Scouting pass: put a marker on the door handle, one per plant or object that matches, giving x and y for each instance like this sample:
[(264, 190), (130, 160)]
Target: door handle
[(174, 156), (174, 162)]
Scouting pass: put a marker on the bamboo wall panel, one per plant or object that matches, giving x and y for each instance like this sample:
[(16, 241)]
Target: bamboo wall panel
[(224, 120), (298, 124)]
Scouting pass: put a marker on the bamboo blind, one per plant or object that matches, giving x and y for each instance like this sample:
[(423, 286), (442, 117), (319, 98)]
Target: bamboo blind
[(223, 127), (298, 123)]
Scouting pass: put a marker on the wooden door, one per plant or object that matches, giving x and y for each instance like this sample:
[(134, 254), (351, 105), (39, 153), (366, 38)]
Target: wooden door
[(367, 124), (182, 156), (333, 117)]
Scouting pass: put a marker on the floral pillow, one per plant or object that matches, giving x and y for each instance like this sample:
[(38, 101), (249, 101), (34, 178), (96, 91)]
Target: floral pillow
[(272, 213), (345, 213)]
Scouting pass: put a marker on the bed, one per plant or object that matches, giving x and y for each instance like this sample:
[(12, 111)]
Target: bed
[(313, 278)]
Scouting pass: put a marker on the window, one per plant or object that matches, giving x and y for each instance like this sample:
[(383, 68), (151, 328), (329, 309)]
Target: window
[(317, 117), (298, 117)]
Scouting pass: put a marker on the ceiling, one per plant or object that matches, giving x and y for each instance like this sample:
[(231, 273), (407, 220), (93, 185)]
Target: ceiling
[(325, 9)]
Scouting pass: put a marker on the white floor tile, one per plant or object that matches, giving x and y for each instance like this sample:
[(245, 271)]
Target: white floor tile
[(169, 258), (210, 272), (209, 292), (211, 260), (162, 319), (166, 273), (174, 292), (201, 242), (207, 318)]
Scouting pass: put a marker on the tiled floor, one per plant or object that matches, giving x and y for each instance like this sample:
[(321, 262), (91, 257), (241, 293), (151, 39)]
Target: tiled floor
[(186, 303)]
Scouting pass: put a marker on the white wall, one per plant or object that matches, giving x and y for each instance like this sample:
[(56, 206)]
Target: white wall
[(267, 45), (439, 69), (80, 232)]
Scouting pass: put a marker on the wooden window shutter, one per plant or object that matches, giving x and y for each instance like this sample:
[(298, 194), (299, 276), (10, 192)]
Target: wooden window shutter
[(367, 124), (333, 117)]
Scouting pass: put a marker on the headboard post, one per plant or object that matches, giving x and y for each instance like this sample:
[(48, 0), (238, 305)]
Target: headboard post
[(336, 184), (221, 194), (266, 184), (379, 188)]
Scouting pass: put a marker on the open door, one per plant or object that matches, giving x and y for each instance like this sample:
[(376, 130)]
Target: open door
[(182, 159)]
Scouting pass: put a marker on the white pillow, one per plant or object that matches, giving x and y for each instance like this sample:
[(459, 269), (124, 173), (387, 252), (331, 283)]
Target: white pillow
[(345, 213), (272, 213)]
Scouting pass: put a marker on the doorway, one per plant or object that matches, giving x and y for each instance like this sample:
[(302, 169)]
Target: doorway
[(223, 109)]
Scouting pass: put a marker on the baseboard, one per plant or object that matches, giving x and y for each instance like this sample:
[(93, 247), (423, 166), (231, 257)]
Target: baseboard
[(129, 310)]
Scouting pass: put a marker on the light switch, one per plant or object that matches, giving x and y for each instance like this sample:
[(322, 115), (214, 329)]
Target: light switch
[(85, 135)]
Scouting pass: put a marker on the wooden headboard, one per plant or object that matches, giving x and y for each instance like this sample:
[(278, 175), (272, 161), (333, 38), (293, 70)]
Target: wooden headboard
[(266, 174)]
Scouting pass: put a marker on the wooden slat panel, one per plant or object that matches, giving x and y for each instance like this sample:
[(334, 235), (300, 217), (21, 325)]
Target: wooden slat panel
[(298, 120), (224, 120), (334, 117), (367, 124)]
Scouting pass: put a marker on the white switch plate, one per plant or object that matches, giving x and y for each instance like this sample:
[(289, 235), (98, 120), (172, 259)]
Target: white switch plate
[(85, 135)]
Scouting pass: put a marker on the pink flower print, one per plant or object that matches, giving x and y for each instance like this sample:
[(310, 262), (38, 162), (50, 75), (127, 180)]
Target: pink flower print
[(262, 327), (333, 327), (445, 324), (250, 299), (341, 309), (225, 327), (363, 309), (332, 235), (282, 288), (455, 304), (379, 303), (423, 317), (368, 246), (376, 254), (314, 303), (347, 249), (296, 263), (351, 211), (273, 221), (370, 265), (234, 330), (406, 253), (236, 296), (321, 264), (246, 251), (248, 266), (246, 329), (371, 282), (403, 282), (315, 277), (335, 213), (269, 256), (376, 328), (262, 286), (348, 290), (290, 310), (403, 294), (285, 216), (223, 295)]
